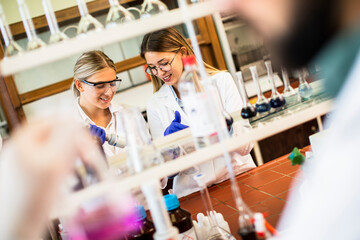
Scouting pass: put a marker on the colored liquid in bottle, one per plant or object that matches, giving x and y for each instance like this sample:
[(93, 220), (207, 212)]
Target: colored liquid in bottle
[(246, 235), (277, 102), (248, 112), (262, 107), (145, 228)]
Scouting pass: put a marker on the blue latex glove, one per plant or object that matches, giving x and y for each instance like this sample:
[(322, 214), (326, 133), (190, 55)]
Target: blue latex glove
[(175, 125), (98, 132)]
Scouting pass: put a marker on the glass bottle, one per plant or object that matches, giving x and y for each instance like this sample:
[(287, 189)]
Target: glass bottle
[(144, 228), (141, 153), (56, 34), (87, 22), (215, 232), (277, 100), (34, 41), (262, 104), (152, 7), (305, 90), (290, 95), (248, 111), (11, 47), (117, 14)]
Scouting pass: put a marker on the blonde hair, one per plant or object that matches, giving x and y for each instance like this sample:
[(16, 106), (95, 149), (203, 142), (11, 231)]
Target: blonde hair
[(167, 40), (88, 64)]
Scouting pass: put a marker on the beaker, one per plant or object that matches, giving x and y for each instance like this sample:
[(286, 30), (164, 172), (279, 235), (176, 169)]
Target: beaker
[(305, 90), (248, 110), (277, 100), (11, 47), (290, 95), (117, 14), (262, 105), (34, 41), (56, 34)]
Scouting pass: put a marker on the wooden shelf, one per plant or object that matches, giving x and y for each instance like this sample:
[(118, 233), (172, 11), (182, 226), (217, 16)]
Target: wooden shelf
[(54, 52)]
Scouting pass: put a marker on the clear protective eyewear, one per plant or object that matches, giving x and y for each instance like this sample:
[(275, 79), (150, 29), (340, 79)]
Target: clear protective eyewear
[(104, 86), (165, 67)]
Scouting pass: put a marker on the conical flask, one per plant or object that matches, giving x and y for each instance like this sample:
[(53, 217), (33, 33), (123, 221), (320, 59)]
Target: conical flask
[(305, 90), (277, 100), (34, 41), (248, 110), (152, 7), (117, 14), (56, 34), (141, 153), (262, 105), (87, 22), (290, 95), (215, 232), (11, 47)]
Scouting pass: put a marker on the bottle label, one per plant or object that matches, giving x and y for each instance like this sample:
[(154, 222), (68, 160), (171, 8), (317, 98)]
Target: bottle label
[(197, 108), (188, 235)]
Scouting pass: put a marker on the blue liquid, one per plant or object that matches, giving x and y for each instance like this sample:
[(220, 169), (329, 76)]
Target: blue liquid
[(248, 112), (277, 102), (262, 107)]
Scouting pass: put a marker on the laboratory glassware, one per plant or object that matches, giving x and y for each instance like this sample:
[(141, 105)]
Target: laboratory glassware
[(152, 7), (117, 14), (290, 95), (305, 90), (262, 105), (141, 153), (277, 100), (34, 41), (87, 22), (248, 110), (216, 232), (11, 47), (56, 34)]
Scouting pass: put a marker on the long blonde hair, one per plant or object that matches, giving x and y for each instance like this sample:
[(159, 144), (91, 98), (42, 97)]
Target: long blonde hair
[(167, 40), (88, 64)]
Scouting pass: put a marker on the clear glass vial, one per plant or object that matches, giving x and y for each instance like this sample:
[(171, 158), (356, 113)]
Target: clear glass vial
[(56, 34), (117, 14)]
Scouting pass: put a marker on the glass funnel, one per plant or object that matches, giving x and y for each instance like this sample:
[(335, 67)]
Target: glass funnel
[(290, 95), (277, 100), (56, 34), (215, 232), (11, 47), (87, 22), (305, 90), (262, 104), (34, 41), (152, 7), (248, 111), (117, 14)]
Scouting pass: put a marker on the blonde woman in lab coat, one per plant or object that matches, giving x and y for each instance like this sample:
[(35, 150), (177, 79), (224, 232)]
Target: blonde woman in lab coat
[(163, 51)]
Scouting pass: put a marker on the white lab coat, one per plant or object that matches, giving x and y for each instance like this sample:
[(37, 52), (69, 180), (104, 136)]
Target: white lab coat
[(160, 111), (328, 207)]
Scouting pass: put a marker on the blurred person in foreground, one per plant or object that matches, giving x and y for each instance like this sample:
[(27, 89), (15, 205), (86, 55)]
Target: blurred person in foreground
[(33, 166), (327, 33)]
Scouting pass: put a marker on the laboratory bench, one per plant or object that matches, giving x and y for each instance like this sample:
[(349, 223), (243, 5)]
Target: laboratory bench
[(264, 189)]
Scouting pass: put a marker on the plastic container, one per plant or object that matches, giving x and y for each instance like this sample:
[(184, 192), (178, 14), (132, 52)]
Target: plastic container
[(145, 228), (180, 218)]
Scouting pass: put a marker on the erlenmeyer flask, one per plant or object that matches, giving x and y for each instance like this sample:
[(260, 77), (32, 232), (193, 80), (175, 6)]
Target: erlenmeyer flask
[(141, 153), (117, 14), (277, 100), (215, 232), (305, 90), (87, 22), (11, 47), (290, 95), (34, 41), (152, 7), (262, 104), (248, 111), (56, 34)]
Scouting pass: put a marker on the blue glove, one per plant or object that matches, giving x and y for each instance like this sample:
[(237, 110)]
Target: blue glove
[(175, 125), (98, 132)]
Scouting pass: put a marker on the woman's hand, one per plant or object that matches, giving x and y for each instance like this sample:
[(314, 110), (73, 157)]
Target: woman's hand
[(175, 125)]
